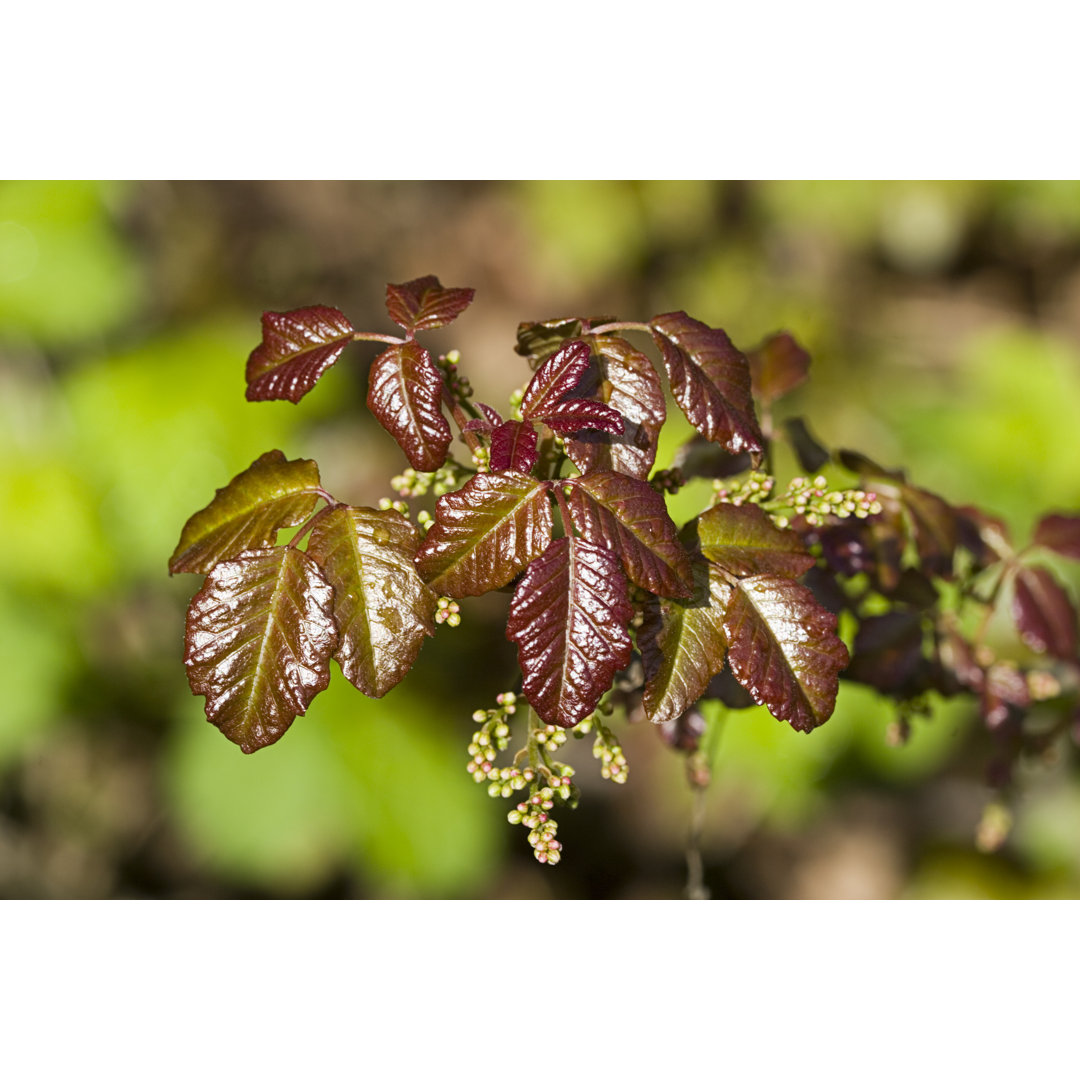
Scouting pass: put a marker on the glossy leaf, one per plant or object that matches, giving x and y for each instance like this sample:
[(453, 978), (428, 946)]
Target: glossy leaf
[(538, 340), (682, 644), (570, 417), (554, 379), (782, 646), (710, 380), (486, 423), (630, 518), (485, 533), (1060, 533), (777, 366), (383, 609), (625, 379), (405, 394), (568, 618), (297, 347), (744, 541), (1043, 613), (259, 637), (513, 446), (270, 494), (424, 304)]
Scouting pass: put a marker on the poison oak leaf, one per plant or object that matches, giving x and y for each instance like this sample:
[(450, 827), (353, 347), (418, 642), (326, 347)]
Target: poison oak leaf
[(259, 637), (777, 366), (485, 534), (630, 519), (513, 446), (297, 347), (405, 394), (783, 648), (424, 304), (1060, 533), (624, 379), (270, 494), (554, 379), (1043, 613), (683, 644), (568, 618), (710, 380), (744, 541), (382, 607)]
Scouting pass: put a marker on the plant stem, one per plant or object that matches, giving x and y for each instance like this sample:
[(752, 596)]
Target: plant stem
[(610, 328), (361, 335)]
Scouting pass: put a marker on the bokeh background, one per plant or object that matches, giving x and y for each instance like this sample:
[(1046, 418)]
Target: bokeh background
[(944, 323)]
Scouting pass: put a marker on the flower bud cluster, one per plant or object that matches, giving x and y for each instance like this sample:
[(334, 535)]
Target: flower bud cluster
[(756, 488), (425, 520), (492, 738), (413, 484), (606, 748), (534, 814), (447, 611), (458, 384), (516, 398), (481, 459), (813, 500), (394, 504), (668, 481)]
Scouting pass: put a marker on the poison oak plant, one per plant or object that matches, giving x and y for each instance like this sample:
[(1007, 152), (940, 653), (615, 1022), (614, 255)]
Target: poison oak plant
[(613, 606)]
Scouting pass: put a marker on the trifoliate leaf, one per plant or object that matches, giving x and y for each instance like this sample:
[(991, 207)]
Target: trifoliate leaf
[(682, 644), (405, 394), (568, 618), (710, 380), (626, 380), (1043, 613), (630, 518), (423, 304), (259, 637), (297, 347), (270, 494), (383, 609), (744, 541), (782, 646), (485, 533)]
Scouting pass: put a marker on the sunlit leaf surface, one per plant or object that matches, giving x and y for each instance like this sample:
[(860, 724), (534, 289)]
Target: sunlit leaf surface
[(424, 304), (297, 347)]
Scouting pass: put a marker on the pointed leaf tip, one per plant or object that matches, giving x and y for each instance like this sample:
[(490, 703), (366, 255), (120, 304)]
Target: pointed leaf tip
[(424, 304), (297, 348)]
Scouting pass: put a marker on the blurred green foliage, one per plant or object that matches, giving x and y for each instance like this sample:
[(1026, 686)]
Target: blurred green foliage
[(943, 323)]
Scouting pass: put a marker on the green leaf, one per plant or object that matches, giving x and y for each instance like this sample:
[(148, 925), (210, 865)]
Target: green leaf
[(744, 541), (260, 633), (682, 644), (630, 518), (297, 347), (270, 494), (537, 341), (383, 609), (405, 394), (783, 648), (568, 618), (485, 534)]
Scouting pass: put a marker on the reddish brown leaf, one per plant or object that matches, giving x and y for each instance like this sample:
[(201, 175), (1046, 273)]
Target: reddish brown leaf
[(1043, 613), (423, 304), (537, 341), (405, 394), (625, 379), (513, 446), (554, 379), (630, 518), (383, 610), (682, 644), (777, 366), (485, 533), (744, 541), (782, 646), (570, 417), (710, 380), (259, 637), (1060, 533), (568, 618), (888, 652), (297, 347), (270, 494)]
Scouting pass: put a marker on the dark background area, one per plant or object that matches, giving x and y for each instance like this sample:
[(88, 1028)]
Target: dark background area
[(944, 324)]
